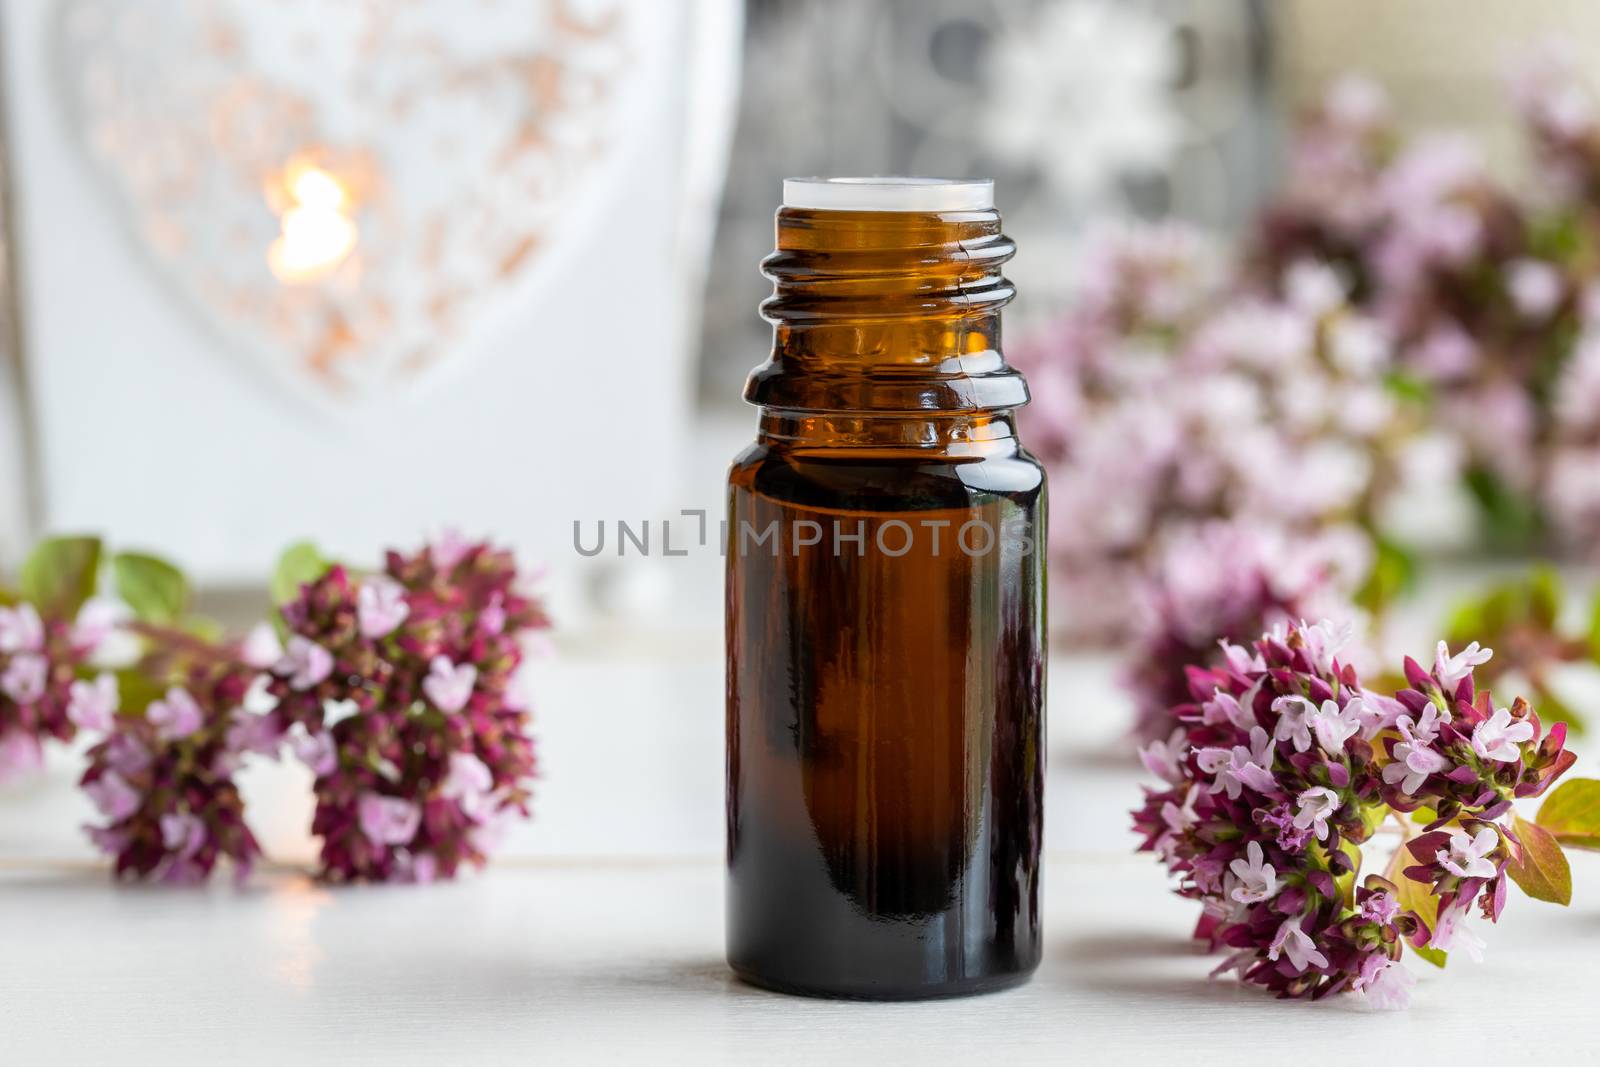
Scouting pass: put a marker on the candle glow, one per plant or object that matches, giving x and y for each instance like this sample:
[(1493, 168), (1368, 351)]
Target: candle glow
[(317, 232)]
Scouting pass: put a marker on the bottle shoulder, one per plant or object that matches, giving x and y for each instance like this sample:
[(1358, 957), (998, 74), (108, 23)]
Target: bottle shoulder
[(882, 477)]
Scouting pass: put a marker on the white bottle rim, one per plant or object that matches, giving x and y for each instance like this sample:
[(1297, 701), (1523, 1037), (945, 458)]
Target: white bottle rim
[(889, 194)]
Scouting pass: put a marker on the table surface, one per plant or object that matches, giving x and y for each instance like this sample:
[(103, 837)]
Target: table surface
[(592, 962), (598, 935)]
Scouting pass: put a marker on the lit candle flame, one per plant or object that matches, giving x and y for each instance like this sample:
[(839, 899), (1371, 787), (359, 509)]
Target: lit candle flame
[(317, 232)]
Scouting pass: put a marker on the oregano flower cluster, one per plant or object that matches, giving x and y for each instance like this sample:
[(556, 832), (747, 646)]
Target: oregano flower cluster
[(163, 780), (51, 683), (398, 689), (1283, 766)]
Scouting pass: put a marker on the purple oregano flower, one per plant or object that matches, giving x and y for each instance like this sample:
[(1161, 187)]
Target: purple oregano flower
[(48, 681), (1282, 765), (163, 781), (398, 690)]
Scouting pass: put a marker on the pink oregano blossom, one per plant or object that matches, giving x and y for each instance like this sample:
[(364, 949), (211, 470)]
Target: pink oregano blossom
[(1281, 766), (50, 682), (163, 782), (399, 691), (1225, 581), (1173, 395)]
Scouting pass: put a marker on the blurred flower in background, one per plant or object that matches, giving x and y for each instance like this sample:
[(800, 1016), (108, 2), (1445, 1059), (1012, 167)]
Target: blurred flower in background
[(1235, 441), (1163, 402)]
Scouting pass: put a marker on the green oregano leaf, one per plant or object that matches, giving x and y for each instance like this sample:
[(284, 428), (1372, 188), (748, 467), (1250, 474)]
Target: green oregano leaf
[(1542, 870), (60, 574), (1394, 572), (300, 563), (1544, 596), (1431, 955), (136, 689), (155, 589), (1509, 518), (1571, 813)]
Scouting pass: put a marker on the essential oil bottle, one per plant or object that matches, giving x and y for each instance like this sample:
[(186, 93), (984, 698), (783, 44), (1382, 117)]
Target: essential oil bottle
[(885, 609)]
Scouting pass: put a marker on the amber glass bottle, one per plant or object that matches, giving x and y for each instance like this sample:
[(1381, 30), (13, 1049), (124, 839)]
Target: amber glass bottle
[(885, 609)]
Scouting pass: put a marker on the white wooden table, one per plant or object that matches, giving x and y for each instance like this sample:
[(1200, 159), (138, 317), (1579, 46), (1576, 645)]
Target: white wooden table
[(557, 963), (598, 937)]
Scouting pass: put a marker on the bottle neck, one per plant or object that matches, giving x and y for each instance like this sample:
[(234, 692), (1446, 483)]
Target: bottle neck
[(953, 435), (883, 318)]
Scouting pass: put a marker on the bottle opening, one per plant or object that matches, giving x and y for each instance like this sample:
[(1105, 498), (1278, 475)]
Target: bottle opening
[(889, 194)]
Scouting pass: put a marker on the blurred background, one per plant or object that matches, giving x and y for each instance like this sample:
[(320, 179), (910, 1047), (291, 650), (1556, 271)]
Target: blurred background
[(1306, 293)]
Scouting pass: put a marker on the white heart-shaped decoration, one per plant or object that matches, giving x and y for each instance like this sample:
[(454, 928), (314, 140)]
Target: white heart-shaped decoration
[(347, 189)]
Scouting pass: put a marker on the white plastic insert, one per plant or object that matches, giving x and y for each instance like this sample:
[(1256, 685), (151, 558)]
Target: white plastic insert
[(889, 194)]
